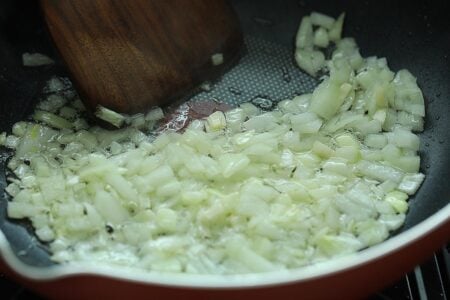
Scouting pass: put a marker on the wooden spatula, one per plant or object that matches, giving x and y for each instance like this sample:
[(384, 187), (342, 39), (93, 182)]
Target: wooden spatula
[(131, 55)]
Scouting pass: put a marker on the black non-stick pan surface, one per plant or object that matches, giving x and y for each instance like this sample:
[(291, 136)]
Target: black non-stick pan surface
[(410, 34)]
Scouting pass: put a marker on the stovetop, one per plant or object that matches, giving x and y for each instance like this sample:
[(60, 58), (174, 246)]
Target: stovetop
[(430, 280)]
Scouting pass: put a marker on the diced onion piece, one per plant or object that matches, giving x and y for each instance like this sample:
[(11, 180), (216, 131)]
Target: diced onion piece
[(167, 219), (321, 38), (52, 119), (338, 166), (155, 114), (55, 84), (338, 245), (137, 120), (3, 139), (406, 139), (249, 109), (206, 86), (109, 207), (110, 116), (327, 98), (52, 103), (216, 121), (45, 234), (411, 183), (408, 96), (322, 150), (310, 61), (248, 257), (410, 121), (352, 154), (19, 210), (336, 31), (391, 151), (375, 140), (261, 123), (372, 232), (302, 102), (407, 163), (217, 59), (340, 71), (347, 139), (380, 115), (322, 20), (234, 119), (307, 122), (379, 171), (397, 200), (388, 186), (304, 38), (231, 163), (36, 60), (392, 221), (348, 50), (198, 125), (367, 127), (193, 197), (122, 186)]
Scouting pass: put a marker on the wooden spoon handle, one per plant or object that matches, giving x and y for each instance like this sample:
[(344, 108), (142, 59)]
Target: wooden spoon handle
[(131, 55)]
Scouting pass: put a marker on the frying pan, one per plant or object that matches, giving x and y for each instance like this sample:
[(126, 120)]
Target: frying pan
[(412, 35)]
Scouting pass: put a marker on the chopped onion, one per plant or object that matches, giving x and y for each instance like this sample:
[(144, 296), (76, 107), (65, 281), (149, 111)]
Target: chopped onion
[(323, 175), (321, 38), (411, 183), (216, 121), (327, 98), (336, 31), (3, 139), (217, 59), (309, 60), (304, 38), (52, 120), (322, 20), (36, 60), (110, 116)]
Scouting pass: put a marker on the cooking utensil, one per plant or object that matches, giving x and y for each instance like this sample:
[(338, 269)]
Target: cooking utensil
[(412, 35), (129, 56)]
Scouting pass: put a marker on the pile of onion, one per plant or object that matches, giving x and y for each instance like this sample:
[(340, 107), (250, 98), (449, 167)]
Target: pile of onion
[(323, 175)]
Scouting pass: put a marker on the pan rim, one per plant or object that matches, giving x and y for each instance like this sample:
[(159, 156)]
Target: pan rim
[(207, 281)]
